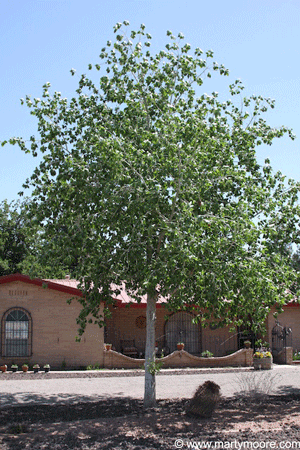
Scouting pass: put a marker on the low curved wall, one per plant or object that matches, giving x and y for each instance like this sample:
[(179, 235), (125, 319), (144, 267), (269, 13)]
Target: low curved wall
[(241, 358)]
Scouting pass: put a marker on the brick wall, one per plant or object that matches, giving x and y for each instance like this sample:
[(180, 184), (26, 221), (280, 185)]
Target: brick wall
[(219, 341), (54, 327), (241, 358), (123, 324)]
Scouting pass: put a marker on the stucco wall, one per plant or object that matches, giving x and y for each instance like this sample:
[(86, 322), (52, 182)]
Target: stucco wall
[(290, 318), (54, 327), (241, 358)]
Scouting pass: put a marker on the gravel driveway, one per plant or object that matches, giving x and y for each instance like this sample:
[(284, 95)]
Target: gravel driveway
[(62, 387)]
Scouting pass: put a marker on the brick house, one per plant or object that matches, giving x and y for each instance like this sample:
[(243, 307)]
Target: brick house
[(39, 326)]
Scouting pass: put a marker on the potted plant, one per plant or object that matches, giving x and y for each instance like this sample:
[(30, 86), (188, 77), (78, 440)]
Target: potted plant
[(36, 368), (25, 367), (247, 344), (207, 354), (262, 360), (14, 367), (108, 347), (46, 368), (3, 368), (180, 346)]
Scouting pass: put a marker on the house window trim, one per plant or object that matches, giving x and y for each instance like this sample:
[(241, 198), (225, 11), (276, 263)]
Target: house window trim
[(3, 332)]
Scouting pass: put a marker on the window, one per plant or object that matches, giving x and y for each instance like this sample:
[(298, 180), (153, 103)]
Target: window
[(16, 333)]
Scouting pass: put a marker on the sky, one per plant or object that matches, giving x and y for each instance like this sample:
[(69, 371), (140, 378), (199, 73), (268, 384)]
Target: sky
[(41, 40)]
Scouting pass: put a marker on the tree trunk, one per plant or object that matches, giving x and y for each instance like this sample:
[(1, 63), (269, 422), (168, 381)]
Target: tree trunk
[(150, 391)]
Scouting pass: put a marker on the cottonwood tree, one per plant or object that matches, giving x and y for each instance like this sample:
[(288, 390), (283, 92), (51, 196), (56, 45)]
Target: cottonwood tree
[(157, 185), (295, 261)]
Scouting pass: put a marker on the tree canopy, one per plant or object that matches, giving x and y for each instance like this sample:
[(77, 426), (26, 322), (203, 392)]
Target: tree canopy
[(157, 184), (13, 239), (24, 246)]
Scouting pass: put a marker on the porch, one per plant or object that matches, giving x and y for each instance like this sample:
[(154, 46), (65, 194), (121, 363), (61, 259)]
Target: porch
[(126, 331)]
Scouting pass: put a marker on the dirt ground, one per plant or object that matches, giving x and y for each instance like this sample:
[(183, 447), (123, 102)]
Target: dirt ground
[(124, 424)]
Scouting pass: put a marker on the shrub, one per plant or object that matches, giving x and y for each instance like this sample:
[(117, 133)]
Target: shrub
[(296, 356), (205, 400), (257, 385)]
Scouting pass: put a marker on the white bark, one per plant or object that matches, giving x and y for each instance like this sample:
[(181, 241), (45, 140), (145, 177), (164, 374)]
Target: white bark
[(150, 388)]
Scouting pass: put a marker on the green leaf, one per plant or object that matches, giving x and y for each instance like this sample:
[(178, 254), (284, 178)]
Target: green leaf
[(143, 178)]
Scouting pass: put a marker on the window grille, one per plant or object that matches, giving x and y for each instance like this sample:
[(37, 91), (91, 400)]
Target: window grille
[(16, 333)]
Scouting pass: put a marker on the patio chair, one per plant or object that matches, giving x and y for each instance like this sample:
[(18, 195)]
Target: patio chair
[(128, 348)]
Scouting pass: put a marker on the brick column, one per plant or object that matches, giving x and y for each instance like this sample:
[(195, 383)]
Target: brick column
[(248, 357)]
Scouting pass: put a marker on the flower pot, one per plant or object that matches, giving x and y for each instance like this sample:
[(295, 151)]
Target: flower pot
[(180, 347), (14, 369), (3, 368), (108, 347), (47, 369), (25, 368), (263, 363)]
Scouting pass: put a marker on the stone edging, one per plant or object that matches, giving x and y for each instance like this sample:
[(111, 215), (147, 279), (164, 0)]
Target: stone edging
[(10, 376)]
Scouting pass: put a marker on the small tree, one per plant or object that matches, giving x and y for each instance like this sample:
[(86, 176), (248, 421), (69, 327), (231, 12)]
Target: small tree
[(156, 184), (20, 241), (25, 247), (12, 239)]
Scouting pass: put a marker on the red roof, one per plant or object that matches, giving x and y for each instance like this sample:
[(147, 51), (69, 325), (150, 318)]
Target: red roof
[(69, 286)]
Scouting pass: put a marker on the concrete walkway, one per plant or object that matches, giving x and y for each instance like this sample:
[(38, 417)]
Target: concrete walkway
[(83, 387)]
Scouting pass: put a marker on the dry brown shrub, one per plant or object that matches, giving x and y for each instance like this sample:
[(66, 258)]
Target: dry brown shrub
[(205, 400)]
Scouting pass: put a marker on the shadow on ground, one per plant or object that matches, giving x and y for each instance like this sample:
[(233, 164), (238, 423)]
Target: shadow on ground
[(28, 399), (288, 390), (82, 409), (120, 423)]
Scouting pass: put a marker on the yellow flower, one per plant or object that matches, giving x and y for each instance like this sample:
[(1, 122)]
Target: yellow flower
[(260, 355)]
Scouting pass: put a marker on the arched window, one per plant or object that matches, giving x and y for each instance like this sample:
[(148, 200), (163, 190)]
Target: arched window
[(16, 333)]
